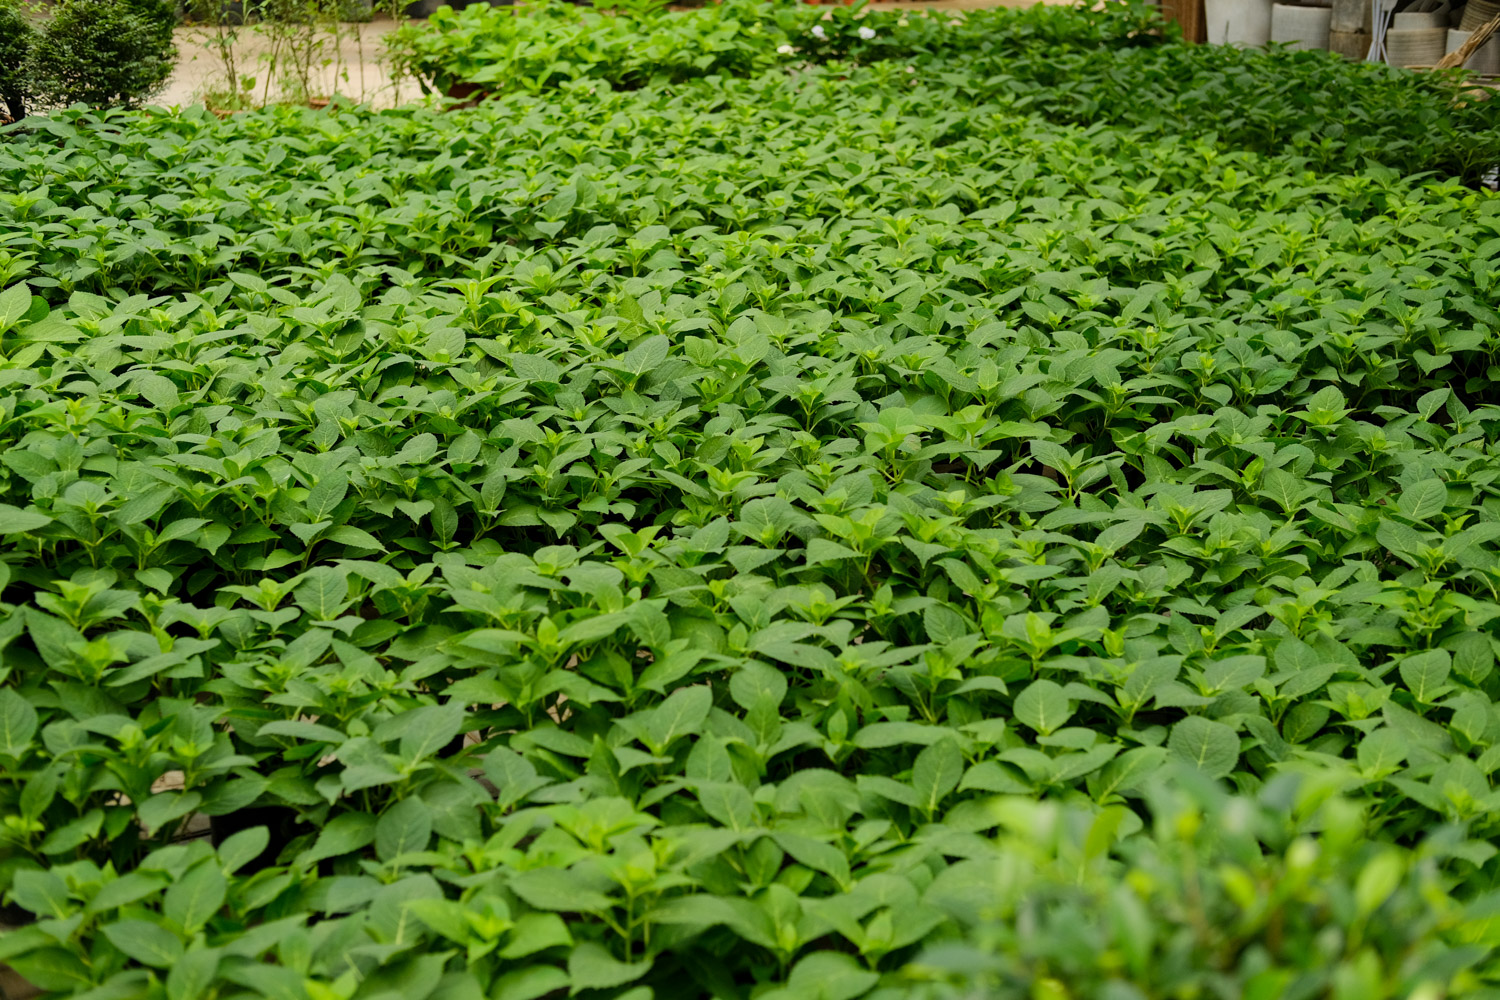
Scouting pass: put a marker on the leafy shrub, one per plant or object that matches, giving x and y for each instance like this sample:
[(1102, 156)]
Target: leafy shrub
[(831, 534), (17, 37), (538, 46), (104, 53)]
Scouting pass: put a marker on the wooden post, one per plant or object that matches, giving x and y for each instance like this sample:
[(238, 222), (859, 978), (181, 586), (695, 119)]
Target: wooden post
[(1352, 45), (1350, 16), (1189, 14)]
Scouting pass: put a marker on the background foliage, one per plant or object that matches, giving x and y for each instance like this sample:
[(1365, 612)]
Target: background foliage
[(821, 534), (1113, 65), (16, 38), (104, 53)]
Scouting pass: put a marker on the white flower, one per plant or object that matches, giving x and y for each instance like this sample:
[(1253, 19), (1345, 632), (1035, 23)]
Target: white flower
[(911, 69), (902, 23), (785, 50), (818, 31), (867, 33), (954, 24)]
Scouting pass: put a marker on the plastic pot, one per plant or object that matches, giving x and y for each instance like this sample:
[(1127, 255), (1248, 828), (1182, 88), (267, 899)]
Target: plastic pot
[(1301, 27), (1245, 23)]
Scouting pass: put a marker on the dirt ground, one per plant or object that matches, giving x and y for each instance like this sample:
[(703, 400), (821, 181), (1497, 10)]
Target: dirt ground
[(357, 68)]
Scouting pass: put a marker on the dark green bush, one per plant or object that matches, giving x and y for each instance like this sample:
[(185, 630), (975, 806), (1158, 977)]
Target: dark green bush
[(104, 53), (16, 39)]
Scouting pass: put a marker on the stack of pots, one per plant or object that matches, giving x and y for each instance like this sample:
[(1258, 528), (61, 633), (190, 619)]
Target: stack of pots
[(1418, 37), (1478, 13), (1486, 58)]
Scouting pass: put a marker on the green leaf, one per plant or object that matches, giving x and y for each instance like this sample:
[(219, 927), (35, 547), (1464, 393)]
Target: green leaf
[(1126, 772), (15, 302), (646, 356), (239, 849), (147, 943), (529, 982), (891, 734), (1283, 489), (356, 538), (326, 495), (936, 773), (1423, 499), (1382, 751), (1426, 674), (18, 722), (536, 932), (513, 776), (194, 898), (344, 834), (41, 892), (728, 803), (323, 593), (53, 969), (682, 714), (561, 890), (1378, 879), (403, 828), (592, 967), (432, 728), (1043, 706), (191, 975), (1209, 746), (15, 521), (815, 854), (829, 975)]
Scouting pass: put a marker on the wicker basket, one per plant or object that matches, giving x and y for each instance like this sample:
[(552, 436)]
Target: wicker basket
[(1418, 47)]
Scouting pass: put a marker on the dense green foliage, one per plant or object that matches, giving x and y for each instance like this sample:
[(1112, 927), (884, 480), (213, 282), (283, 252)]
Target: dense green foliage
[(821, 535), (104, 53), (16, 39), (1112, 65)]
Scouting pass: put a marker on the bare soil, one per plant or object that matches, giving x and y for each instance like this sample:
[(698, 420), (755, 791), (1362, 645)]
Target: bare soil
[(354, 68)]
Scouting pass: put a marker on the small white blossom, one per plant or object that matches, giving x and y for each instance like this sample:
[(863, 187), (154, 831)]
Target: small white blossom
[(785, 50), (954, 24), (867, 33), (902, 23), (818, 31), (911, 69)]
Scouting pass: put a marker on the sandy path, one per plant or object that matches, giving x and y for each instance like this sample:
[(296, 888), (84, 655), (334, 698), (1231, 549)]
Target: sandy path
[(355, 68)]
